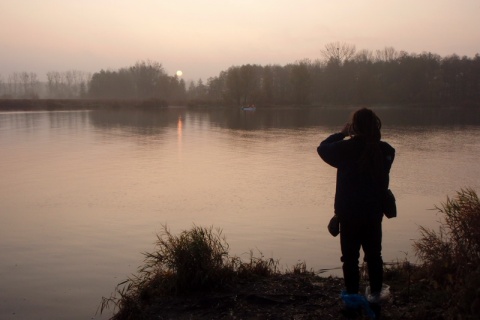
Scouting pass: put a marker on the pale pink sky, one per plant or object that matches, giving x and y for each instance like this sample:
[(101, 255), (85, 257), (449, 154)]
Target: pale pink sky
[(204, 37)]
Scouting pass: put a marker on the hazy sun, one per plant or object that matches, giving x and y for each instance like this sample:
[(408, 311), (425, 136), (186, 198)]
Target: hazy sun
[(179, 73)]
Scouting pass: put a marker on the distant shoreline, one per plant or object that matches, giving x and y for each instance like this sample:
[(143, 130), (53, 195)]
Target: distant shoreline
[(152, 104), (77, 104)]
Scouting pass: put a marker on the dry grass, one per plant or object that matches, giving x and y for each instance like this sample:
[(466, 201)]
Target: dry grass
[(451, 254), (195, 260), (197, 263)]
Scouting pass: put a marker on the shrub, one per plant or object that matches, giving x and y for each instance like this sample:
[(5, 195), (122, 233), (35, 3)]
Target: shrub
[(451, 255), (195, 260)]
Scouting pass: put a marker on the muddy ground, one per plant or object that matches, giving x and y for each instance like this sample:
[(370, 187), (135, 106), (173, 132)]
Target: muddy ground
[(285, 296)]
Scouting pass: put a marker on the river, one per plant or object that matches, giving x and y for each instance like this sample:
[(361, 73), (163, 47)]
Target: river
[(84, 193)]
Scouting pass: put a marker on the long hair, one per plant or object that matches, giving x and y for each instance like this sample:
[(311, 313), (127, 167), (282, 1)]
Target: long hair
[(366, 125)]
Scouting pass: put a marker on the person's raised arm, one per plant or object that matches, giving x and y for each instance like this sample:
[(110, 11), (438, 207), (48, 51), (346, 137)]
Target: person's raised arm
[(330, 150)]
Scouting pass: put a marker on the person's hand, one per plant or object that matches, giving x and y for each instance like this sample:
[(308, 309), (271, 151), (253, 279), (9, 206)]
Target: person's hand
[(346, 129)]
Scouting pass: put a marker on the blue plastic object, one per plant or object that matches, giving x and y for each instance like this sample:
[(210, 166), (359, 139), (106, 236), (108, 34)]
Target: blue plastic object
[(356, 301)]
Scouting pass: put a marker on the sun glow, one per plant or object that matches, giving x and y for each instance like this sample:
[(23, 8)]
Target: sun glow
[(179, 73)]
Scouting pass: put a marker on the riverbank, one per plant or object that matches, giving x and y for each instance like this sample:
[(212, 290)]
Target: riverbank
[(300, 296), (445, 286), (151, 104), (77, 104), (192, 276)]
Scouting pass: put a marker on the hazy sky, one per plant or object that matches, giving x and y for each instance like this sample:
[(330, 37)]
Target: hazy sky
[(204, 37)]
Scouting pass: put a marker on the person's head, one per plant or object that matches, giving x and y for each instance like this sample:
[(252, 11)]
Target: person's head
[(367, 124)]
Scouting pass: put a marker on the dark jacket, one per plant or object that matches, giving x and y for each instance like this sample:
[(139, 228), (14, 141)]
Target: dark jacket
[(358, 193)]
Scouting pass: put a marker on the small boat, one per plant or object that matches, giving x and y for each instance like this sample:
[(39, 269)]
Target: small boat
[(249, 108)]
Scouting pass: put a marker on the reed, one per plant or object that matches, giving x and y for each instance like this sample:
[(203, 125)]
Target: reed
[(451, 255), (195, 260), (444, 284)]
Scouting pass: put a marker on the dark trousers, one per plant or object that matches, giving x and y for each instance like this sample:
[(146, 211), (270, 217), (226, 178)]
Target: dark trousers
[(366, 234)]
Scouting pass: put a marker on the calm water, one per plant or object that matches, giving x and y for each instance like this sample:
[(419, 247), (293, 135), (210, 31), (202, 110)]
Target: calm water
[(82, 194)]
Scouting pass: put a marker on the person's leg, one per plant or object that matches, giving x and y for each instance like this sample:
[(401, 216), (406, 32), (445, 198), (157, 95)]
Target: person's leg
[(350, 246), (372, 246)]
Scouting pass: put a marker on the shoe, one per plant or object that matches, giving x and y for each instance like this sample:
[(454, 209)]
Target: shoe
[(374, 298), (378, 297)]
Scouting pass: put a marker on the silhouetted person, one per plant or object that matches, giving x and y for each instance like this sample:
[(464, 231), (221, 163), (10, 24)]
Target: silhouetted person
[(363, 165)]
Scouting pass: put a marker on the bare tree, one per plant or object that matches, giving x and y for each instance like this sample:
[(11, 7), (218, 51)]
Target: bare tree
[(338, 52), (387, 54), (14, 84), (25, 80), (301, 81), (2, 87), (68, 84), (54, 84), (33, 85), (364, 56), (84, 84)]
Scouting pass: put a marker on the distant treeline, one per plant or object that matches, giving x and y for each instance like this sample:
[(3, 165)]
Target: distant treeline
[(342, 75)]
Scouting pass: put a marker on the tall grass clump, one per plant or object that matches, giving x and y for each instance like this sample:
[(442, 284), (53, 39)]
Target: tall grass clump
[(195, 260), (450, 255)]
